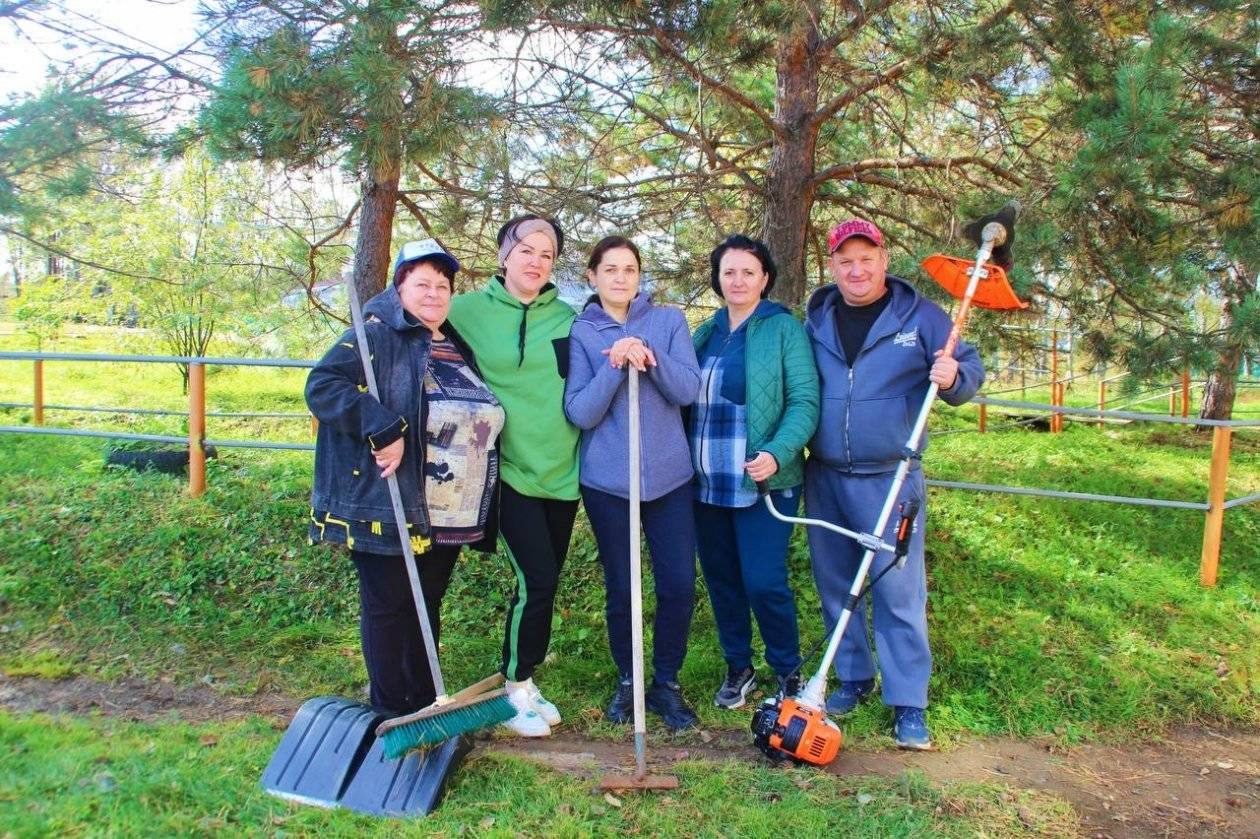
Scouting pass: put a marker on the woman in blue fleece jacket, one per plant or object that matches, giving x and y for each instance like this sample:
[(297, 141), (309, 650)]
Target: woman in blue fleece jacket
[(618, 328)]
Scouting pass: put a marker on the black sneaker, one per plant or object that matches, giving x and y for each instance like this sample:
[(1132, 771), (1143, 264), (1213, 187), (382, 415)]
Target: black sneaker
[(789, 685), (666, 699), (733, 691), (621, 708)]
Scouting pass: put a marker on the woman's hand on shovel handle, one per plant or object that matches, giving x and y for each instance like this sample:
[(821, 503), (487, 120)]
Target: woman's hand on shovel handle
[(389, 457)]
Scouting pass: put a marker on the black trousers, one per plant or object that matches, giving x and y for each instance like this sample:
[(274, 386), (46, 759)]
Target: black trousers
[(536, 534), (669, 524), (389, 629)]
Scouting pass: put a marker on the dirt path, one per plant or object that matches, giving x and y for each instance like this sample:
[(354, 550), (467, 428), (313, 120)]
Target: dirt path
[(1195, 782)]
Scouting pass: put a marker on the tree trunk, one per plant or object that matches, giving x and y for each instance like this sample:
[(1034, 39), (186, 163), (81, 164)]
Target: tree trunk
[(376, 228), (790, 186), (1222, 383), (1218, 395)]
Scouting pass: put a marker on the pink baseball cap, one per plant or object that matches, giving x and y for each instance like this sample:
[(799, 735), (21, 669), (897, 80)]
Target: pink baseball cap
[(846, 230)]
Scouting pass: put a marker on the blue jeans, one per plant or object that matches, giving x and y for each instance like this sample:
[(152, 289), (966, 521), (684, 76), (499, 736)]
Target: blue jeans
[(743, 554), (670, 531)]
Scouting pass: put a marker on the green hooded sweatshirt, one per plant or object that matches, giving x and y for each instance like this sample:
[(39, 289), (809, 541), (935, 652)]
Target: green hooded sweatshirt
[(523, 354)]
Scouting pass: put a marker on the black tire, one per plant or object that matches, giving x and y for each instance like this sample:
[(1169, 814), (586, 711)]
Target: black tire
[(166, 460)]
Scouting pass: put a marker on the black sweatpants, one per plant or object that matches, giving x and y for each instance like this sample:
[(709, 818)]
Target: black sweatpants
[(389, 629), (535, 532)]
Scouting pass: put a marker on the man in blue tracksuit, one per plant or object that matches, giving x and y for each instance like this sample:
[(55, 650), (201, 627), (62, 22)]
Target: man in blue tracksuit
[(877, 345)]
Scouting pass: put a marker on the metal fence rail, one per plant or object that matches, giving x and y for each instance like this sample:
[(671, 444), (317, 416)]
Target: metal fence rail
[(1073, 496), (81, 432), (11, 355), (1125, 415), (158, 412)]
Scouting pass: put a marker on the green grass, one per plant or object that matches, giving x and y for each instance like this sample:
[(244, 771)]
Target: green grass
[(98, 776)]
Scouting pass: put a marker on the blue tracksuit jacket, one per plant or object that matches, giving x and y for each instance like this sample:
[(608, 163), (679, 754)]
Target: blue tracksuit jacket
[(869, 408)]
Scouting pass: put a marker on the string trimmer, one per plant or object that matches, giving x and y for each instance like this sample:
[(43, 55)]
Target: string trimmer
[(798, 728)]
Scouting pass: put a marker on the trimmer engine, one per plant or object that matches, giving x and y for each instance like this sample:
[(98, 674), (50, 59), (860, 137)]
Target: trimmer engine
[(785, 728)]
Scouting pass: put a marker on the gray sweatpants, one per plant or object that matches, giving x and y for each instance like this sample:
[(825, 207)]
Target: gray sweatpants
[(898, 602)]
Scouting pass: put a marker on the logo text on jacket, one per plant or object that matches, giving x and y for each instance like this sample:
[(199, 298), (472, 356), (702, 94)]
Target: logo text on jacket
[(907, 339)]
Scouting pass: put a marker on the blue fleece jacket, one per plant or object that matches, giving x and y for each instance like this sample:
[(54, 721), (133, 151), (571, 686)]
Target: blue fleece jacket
[(869, 409), (596, 399)]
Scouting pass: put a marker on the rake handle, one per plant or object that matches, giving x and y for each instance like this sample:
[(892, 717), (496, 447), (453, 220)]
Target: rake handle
[(395, 499)]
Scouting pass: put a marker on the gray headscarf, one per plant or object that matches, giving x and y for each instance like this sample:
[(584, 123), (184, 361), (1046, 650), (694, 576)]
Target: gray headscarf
[(522, 229)]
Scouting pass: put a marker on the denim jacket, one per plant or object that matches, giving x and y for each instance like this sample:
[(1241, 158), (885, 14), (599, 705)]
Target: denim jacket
[(353, 425)]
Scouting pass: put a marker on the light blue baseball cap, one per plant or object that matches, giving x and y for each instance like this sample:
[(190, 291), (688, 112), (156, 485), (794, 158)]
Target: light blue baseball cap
[(412, 251)]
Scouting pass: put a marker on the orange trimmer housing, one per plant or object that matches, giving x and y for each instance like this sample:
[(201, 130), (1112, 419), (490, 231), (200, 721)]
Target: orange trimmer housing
[(994, 290), (804, 733)]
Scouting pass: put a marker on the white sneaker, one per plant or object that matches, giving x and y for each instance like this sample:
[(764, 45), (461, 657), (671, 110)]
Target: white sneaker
[(545, 709), (527, 722)]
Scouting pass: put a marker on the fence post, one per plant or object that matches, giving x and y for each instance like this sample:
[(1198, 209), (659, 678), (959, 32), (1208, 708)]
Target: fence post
[(1054, 400), (1102, 398), (314, 425), (1215, 521), (39, 391), (196, 429), (984, 417), (1185, 392), (1172, 402)]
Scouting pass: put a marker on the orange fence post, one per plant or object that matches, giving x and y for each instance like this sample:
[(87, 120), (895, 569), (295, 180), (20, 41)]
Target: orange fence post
[(39, 391), (314, 425), (196, 429), (1055, 419), (1215, 521), (1185, 392), (984, 417), (1054, 401), (1102, 399)]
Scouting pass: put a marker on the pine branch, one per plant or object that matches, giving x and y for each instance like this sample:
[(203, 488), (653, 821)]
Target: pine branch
[(731, 94), (847, 171), (901, 68)]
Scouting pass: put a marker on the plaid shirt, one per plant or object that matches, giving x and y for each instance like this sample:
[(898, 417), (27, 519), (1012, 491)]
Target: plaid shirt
[(718, 430)]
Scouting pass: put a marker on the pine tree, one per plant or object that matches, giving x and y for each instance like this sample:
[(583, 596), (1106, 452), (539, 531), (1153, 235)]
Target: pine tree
[(757, 111), (369, 84), (1160, 204)]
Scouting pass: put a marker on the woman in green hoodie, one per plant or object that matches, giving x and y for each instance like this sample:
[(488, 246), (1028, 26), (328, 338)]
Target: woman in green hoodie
[(518, 327)]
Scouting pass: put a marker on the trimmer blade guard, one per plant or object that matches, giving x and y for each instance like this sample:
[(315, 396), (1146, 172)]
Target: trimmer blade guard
[(952, 273)]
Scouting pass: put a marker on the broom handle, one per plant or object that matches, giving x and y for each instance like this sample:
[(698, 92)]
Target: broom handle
[(395, 499), (813, 693), (636, 584)]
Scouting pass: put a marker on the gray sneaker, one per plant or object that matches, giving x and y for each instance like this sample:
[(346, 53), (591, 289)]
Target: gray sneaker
[(735, 689)]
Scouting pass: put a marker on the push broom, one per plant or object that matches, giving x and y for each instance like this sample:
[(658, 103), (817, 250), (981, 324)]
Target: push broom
[(798, 727), (477, 706)]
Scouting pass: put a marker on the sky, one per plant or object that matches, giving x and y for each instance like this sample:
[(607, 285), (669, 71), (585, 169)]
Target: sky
[(27, 51)]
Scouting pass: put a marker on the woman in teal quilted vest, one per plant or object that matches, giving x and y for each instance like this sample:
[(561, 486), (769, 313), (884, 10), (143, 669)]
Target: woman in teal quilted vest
[(757, 409)]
